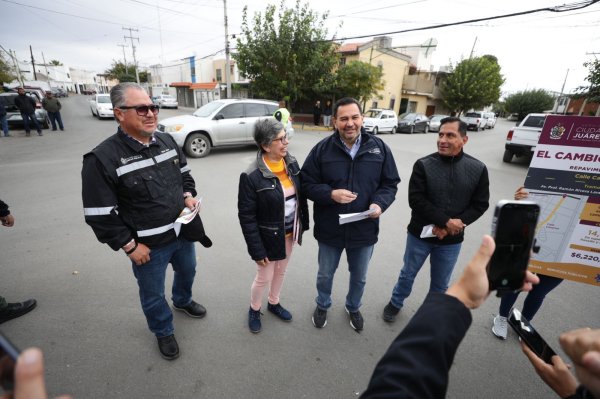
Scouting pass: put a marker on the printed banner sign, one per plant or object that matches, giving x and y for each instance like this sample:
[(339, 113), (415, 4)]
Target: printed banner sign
[(564, 179)]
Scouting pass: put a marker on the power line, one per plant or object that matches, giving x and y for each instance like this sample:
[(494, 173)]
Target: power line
[(562, 8)]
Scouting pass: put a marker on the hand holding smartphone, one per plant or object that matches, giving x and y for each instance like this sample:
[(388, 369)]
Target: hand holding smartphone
[(513, 229), (530, 336)]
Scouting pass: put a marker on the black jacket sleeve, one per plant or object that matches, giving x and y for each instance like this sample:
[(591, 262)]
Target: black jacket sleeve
[(388, 182), (247, 209), (417, 363), (480, 201)]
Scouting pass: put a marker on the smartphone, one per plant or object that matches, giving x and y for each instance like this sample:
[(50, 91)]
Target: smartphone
[(530, 336), (8, 358), (513, 229)]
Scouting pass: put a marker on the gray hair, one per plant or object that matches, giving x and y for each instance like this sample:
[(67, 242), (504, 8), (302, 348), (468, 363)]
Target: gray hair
[(266, 130), (117, 93)]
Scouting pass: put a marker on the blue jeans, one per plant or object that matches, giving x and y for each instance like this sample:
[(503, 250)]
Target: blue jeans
[(27, 119), (151, 282), (358, 263), (4, 124), (442, 259), (55, 117), (534, 298)]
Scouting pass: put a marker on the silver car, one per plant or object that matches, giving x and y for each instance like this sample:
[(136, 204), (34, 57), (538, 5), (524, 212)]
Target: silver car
[(434, 122), (101, 106), (219, 123), (165, 101)]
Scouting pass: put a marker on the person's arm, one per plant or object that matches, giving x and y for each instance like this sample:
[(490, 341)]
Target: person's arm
[(418, 198), (247, 209), (418, 362), (188, 183), (388, 184), (557, 375), (480, 200)]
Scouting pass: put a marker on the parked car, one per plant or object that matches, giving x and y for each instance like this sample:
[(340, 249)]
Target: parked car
[(13, 115), (434, 122), (101, 106), (165, 101), (58, 92), (413, 122), (475, 120), (522, 139), (380, 120), (490, 120), (219, 123)]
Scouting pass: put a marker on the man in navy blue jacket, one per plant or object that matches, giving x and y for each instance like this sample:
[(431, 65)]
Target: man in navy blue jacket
[(348, 172)]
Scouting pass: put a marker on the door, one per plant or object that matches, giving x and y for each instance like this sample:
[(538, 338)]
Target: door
[(229, 127)]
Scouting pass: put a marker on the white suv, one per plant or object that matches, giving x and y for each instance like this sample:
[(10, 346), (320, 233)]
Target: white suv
[(219, 123), (380, 120)]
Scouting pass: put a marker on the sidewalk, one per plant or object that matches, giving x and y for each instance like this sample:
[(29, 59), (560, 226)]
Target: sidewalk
[(310, 126)]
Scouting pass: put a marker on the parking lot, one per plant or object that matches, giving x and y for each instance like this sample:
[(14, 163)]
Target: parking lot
[(94, 335)]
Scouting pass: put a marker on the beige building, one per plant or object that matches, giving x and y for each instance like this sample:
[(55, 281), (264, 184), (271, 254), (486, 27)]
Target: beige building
[(394, 65), (421, 92)]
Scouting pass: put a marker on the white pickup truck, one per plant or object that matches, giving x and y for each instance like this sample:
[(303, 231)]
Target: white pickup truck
[(475, 120), (522, 139)]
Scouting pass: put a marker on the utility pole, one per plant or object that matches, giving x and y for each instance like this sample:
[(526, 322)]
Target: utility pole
[(46, 67), (227, 67), (562, 90), (15, 64), (32, 63), (137, 75), (124, 58), (473, 48)]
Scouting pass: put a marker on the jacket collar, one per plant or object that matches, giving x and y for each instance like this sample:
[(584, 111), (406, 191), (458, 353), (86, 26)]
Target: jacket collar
[(264, 169), (133, 143), (447, 158)]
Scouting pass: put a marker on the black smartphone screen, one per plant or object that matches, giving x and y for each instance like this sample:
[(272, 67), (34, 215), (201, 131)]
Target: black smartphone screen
[(8, 358), (530, 336), (514, 232)]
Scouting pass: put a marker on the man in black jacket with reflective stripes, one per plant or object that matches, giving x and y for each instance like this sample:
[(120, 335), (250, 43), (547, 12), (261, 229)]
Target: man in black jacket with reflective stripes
[(135, 184)]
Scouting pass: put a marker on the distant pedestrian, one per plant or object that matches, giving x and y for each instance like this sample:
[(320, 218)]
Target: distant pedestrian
[(26, 106), (53, 106), (327, 114), (317, 112), (3, 120)]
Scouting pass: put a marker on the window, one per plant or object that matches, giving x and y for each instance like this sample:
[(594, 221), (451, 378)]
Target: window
[(374, 104), (219, 77), (392, 102), (535, 121), (233, 111), (254, 110), (343, 61)]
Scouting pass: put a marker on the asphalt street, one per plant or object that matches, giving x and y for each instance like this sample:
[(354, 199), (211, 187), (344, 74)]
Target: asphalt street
[(90, 325)]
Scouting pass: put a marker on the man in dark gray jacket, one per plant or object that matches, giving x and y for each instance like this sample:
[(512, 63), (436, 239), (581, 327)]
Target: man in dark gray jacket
[(448, 190)]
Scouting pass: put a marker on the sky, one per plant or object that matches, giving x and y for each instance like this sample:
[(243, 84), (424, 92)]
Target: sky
[(542, 50)]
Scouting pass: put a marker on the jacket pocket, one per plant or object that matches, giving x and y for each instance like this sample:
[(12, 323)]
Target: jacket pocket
[(145, 186), (271, 237)]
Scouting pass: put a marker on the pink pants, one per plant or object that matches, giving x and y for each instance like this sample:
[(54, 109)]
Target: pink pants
[(273, 273)]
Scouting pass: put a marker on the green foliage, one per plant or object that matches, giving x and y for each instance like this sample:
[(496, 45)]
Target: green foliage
[(55, 62), (592, 90), (528, 101), (6, 71), (472, 84), (122, 74), (359, 80), (285, 53)]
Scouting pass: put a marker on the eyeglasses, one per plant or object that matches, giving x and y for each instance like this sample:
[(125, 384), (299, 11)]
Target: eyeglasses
[(142, 110), (284, 139)]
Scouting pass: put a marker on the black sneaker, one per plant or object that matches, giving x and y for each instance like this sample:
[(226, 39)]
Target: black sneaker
[(14, 310), (193, 309), (168, 347), (280, 312), (356, 320), (254, 321), (319, 317), (390, 312)]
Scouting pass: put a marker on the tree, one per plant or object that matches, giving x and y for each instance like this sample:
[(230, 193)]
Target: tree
[(6, 71), (123, 73), (473, 83), (285, 55), (591, 92), (528, 101), (55, 62), (359, 80)]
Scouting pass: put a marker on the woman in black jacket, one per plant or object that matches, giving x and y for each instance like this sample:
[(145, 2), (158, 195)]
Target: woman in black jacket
[(273, 215)]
